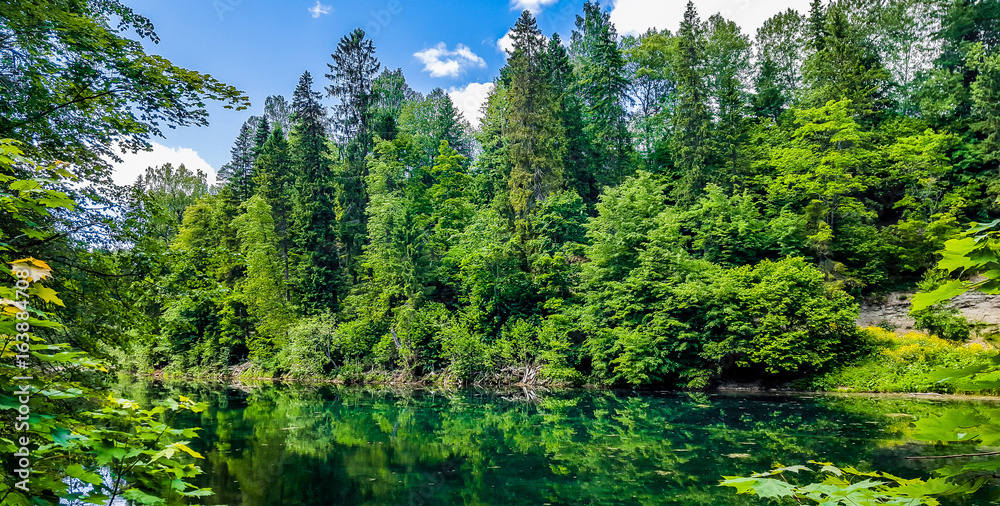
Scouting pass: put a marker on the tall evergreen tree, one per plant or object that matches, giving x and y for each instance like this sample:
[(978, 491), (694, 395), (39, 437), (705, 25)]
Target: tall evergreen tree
[(692, 121), (579, 157), (238, 173), (352, 73), (602, 88), (847, 66), (275, 183), (319, 275), (533, 133)]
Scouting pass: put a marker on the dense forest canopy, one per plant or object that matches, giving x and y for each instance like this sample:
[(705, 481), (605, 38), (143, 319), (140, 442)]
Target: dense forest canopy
[(688, 205)]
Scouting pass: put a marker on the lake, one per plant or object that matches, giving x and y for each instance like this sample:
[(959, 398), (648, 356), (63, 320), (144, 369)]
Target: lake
[(319, 445)]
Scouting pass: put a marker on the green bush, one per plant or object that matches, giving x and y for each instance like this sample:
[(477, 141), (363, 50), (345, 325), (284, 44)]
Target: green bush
[(944, 322), (309, 350), (782, 317), (903, 364)]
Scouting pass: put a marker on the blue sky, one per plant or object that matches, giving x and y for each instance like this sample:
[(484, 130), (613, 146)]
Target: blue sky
[(262, 47)]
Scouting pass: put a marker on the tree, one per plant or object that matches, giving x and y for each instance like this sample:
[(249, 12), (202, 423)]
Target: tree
[(263, 288), (319, 271), (726, 53), (652, 90), (352, 73), (780, 46), (692, 141), (434, 119), (602, 89), (238, 173), (276, 183), (168, 192), (278, 113), (75, 86), (845, 65), (390, 93), (534, 135)]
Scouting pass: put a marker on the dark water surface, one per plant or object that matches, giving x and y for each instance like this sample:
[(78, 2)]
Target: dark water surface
[(298, 445)]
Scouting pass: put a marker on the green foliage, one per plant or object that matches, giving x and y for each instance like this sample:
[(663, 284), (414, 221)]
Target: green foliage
[(843, 486), (904, 363), (78, 445), (782, 317)]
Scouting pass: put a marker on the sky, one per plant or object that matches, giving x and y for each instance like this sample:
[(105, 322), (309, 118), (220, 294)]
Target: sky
[(262, 47)]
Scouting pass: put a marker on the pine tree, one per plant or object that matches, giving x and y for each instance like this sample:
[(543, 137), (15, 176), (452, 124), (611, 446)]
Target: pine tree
[(275, 183), (352, 73), (533, 133), (319, 273), (602, 87), (261, 134), (238, 173), (817, 26), (579, 157), (692, 143), (847, 66)]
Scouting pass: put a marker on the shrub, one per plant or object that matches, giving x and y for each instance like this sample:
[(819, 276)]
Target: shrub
[(783, 317), (903, 362)]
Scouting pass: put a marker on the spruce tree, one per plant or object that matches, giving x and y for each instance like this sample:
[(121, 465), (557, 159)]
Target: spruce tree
[(352, 74), (533, 132), (602, 88), (274, 179), (692, 143), (319, 281), (579, 157)]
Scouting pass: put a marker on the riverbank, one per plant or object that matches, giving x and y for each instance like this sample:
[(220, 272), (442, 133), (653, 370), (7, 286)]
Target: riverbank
[(898, 363)]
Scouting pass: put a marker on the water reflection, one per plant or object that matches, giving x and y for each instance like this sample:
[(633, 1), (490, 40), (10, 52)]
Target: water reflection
[(277, 445)]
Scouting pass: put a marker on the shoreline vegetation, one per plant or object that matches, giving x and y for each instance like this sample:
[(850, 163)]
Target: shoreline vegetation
[(681, 209), (899, 364)]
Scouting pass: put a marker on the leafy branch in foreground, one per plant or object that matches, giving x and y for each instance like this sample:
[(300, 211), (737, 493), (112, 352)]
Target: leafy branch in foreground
[(77, 447), (847, 486)]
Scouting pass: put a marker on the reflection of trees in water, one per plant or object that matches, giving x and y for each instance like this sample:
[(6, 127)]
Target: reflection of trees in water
[(337, 445)]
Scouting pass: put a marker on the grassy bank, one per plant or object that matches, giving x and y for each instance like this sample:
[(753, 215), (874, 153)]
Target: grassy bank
[(903, 363)]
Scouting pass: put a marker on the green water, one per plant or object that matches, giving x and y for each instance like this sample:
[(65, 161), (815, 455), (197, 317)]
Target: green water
[(285, 445)]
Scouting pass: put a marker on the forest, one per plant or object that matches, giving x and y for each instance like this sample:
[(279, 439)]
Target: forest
[(678, 210)]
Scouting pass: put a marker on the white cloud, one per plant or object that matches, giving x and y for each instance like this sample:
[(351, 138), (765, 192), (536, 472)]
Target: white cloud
[(470, 99), (320, 9), (134, 164), (634, 17), (532, 5), (441, 62), (506, 43)]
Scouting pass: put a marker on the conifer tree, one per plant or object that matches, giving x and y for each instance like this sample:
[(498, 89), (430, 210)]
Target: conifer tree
[(692, 121), (579, 157), (602, 88), (534, 135), (319, 272), (275, 183), (352, 74), (237, 174)]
